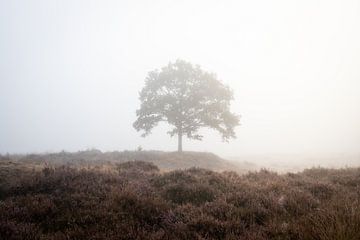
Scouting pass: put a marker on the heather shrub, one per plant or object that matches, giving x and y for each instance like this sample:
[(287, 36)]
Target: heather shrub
[(137, 166), (298, 203), (193, 193), (262, 176), (253, 213), (196, 186), (339, 221), (323, 191), (10, 230), (145, 212), (135, 200), (208, 227), (2, 192)]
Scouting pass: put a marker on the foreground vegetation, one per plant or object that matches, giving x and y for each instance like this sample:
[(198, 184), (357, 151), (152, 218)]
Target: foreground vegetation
[(135, 200)]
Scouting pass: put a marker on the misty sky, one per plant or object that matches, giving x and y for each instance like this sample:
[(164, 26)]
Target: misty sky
[(70, 72)]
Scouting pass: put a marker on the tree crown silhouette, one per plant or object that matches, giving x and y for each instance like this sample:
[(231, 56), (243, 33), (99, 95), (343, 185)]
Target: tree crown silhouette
[(187, 98)]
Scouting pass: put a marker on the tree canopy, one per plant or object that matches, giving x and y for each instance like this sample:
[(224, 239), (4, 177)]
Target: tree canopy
[(187, 98)]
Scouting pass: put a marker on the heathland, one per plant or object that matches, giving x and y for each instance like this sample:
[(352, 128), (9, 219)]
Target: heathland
[(158, 195)]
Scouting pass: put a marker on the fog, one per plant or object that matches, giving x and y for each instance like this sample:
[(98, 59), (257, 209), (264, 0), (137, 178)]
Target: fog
[(71, 71)]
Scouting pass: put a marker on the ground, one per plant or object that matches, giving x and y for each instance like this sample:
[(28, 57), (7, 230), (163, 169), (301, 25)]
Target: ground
[(63, 196)]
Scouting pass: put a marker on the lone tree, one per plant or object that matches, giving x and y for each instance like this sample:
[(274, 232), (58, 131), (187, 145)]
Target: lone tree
[(187, 98)]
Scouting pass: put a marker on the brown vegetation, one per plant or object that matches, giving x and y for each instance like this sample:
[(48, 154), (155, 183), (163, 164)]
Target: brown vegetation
[(135, 200), (166, 161)]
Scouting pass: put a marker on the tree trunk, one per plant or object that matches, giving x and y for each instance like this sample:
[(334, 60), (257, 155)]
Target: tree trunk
[(180, 140)]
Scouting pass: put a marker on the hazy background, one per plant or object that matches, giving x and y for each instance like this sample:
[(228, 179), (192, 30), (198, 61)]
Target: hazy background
[(70, 72)]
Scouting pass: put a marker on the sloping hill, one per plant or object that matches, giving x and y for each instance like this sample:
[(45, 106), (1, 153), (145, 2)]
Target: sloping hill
[(173, 160), (166, 161)]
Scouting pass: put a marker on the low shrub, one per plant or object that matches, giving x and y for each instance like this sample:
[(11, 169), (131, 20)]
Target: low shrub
[(135, 200)]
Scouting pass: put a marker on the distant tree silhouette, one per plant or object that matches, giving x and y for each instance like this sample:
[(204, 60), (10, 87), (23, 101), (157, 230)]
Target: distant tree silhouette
[(187, 98)]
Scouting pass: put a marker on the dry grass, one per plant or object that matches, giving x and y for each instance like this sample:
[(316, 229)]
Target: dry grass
[(135, 200)]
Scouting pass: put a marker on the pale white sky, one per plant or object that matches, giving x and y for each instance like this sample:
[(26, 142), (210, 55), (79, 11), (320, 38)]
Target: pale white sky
[(70, 72)]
